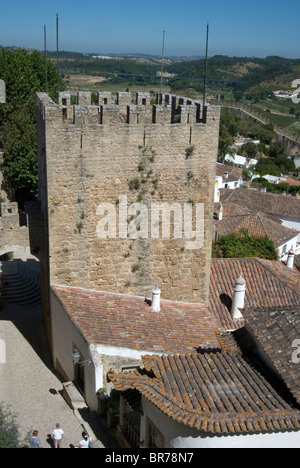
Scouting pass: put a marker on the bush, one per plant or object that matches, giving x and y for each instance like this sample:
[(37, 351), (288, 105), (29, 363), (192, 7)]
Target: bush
[(9, 432), (243, 245)]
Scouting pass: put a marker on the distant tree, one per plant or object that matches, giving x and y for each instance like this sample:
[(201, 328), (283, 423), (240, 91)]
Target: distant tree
[(277, 150), (278, 153), (250, 150), (266, 166), (24, 75), (225, 142)]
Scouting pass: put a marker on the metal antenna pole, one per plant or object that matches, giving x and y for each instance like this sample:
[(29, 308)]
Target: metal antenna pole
[(46, 70), (205, 71), (57, 56), (162, 62)]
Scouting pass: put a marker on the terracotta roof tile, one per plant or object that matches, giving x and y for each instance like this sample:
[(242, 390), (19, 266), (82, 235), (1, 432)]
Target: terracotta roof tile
[(234, 173), (127, 321), (266, 202), (258, 225), (276, 329), (268, 284), (214, 393)]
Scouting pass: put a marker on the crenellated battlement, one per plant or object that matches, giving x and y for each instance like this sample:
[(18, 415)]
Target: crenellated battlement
[(126, 108)]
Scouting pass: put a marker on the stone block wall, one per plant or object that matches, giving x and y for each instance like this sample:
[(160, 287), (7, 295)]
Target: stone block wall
[(13, 237), (125, 149)]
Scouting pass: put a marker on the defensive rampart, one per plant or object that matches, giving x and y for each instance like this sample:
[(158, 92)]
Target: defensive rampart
[(123, 148)]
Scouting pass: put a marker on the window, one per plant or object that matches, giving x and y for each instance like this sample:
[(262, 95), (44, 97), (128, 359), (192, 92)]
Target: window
[(154, 438)]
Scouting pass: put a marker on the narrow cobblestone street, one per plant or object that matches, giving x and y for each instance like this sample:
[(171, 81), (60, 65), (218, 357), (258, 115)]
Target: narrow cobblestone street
[(28, 382)]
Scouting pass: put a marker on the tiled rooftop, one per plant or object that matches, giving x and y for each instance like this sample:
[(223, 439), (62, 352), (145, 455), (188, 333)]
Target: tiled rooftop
[(268, 284), (278, 205), (234, 173), (129, 322), (258, 225), (276, 329), (212, 392), (217, 392)]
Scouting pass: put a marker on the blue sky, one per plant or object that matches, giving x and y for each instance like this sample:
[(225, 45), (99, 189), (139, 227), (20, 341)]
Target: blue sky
[(237, 27)]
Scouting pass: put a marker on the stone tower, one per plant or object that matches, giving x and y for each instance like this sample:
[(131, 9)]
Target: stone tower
[(120, 182)]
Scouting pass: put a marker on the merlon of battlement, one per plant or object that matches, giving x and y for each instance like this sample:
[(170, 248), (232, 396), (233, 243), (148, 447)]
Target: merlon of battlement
[(104, 108)]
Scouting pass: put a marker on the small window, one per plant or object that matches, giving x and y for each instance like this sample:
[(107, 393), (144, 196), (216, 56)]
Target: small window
[(144, 101), (155, 439)]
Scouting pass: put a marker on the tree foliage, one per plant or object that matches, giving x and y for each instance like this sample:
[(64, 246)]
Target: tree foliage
[(9, 432), (24, 75), (242, 245)]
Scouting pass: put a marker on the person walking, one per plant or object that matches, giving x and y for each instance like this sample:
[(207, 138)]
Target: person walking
[(86, 442), (34, 440), (57, 436)]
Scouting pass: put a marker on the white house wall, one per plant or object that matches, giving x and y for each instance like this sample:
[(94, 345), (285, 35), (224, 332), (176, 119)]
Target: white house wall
[(66, 338), (284, 249), (179, 436)]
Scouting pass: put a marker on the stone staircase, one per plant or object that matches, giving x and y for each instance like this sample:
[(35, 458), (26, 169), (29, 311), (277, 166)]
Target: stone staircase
[(20, 286)]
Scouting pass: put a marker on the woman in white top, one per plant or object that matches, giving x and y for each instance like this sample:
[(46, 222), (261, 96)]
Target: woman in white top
[(86, 442)]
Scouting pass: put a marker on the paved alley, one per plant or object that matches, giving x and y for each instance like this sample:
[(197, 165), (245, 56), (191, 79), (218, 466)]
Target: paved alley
[(28, 383)]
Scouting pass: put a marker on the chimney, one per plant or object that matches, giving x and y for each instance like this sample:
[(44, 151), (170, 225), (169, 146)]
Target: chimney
[(217, 191), (238, 298), (220, 213), (291, 259), (156, 299), (226, 174)]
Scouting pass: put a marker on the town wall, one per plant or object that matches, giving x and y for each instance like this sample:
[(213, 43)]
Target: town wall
[(292, 144), (14, 235), (125, 147)]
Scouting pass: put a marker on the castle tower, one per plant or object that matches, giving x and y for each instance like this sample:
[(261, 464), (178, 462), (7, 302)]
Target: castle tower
[(127, 191)]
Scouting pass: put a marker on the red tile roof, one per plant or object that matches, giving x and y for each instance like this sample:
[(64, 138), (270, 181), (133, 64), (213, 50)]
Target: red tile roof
[(276, 330), (234, 173), (258, 225), (212, 392), (278, 205), (268, 284), (127, 321)]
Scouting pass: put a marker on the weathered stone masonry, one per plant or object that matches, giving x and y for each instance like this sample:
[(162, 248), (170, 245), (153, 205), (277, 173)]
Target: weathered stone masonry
[(92, 154)]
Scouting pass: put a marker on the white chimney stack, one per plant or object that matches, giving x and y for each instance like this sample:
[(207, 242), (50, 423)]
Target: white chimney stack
[(220, 214), (291, 259), (238, 298), (156, 299)]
